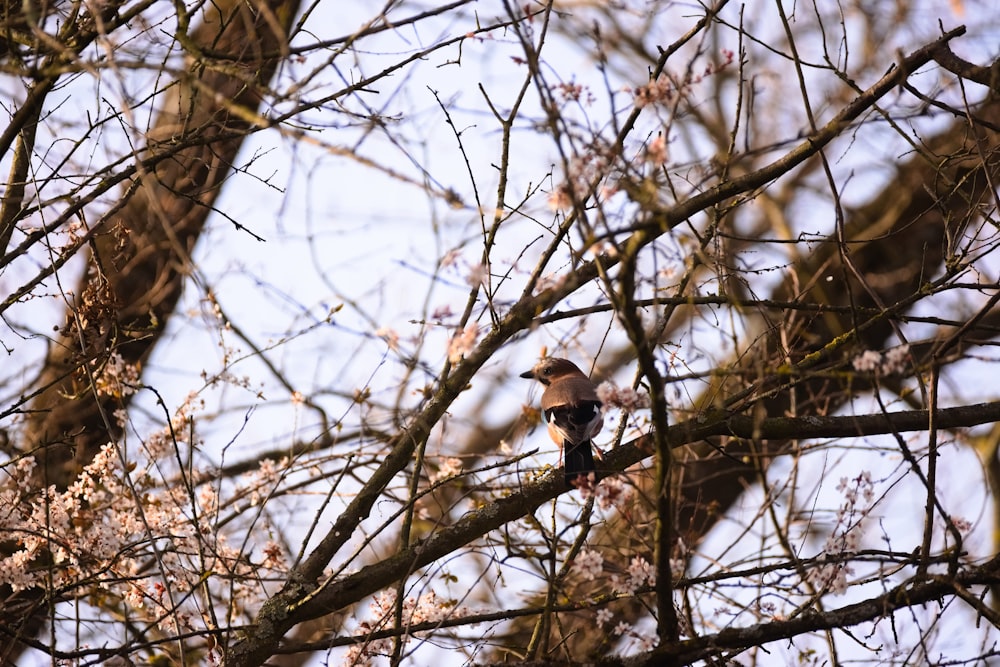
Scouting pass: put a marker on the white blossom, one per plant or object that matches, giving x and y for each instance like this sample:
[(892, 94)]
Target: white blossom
[(588, 564)]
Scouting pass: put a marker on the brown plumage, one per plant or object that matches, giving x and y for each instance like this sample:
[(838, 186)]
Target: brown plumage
[(572, 413)]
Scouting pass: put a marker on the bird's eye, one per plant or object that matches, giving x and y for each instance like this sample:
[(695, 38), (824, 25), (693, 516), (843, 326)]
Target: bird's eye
[(546, 371)]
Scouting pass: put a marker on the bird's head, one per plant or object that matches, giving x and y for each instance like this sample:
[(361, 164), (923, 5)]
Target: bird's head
[(551, 368)]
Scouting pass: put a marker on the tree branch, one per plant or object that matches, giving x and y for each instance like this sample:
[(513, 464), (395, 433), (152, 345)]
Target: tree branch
[(476, 524)]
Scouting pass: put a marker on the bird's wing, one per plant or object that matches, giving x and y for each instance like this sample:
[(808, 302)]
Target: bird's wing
[(576, 422)]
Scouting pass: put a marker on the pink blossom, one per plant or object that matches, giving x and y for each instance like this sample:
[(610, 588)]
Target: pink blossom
[(613, 492), (656, 151), (559, 199), (450, 467), (462, 342), (588, 564), (625, 398)]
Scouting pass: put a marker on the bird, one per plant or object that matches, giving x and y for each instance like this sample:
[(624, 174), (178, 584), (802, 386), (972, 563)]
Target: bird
[(572, 413)]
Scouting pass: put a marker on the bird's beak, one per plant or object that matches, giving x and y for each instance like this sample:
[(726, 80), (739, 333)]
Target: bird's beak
[(528, 375)]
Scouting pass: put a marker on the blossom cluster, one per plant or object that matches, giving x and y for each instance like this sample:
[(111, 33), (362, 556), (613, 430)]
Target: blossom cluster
[(589, 564), (644, 641), (100, 536), (640, 573), (585, 171), (610, 492), (426, 608), (890, 362), (449, 467), (575, 92), (116, 377), (859, 495), (624, 398), (462, 343), (662, 89)]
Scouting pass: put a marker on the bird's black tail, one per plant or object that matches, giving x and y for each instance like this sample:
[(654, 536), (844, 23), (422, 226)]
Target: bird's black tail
[(579, 461)]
